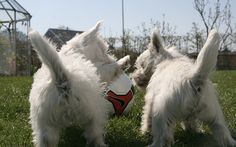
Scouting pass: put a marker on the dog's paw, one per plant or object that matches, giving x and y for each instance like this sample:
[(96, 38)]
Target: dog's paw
[(226, 142), (101, 145), (92, 144), (152, 145), (144, 129), (96, 143), (232, 143)]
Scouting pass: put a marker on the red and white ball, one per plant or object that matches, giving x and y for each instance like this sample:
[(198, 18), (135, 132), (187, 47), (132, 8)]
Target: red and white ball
[(120, 95)]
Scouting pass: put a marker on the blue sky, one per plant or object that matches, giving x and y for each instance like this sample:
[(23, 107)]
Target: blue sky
[(83, 14)]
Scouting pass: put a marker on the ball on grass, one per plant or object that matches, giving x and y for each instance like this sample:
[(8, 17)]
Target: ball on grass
[(120, 95)]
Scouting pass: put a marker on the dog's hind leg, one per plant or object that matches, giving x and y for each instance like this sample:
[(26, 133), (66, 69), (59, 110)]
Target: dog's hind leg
[(213, 115), (222, 134), (220, 130), (94, 129), (162, 132), (47, 137), (94, 135)]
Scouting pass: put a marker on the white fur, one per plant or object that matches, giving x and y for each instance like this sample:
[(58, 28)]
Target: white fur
[(94, 49), (92, 46), (178, 89), (66, 90)]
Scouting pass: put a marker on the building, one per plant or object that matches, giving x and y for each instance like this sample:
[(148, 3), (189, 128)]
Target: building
[(59, 37)]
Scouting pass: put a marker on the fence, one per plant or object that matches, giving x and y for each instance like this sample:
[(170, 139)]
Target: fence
[(225, 61)]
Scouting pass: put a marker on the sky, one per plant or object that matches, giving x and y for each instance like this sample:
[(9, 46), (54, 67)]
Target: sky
[(83, 14)]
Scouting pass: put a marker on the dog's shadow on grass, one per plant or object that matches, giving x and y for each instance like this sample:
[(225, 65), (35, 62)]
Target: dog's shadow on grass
[(73, 137), (190, 139)]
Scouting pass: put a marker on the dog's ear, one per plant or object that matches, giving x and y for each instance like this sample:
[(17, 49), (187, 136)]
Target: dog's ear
[(94, 30), (91, 34), (156, 41), (87, 36), (124, 62)]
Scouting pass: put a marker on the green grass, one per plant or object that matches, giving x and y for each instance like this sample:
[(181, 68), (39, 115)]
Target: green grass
[(14, 112), (121, 131)]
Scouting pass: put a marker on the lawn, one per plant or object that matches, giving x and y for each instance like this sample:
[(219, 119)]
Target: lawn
[(121, 131)]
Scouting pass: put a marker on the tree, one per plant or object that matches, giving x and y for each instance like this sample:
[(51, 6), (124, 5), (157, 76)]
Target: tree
[(138, 41), (195, 38), (216, 16), (168, 32)]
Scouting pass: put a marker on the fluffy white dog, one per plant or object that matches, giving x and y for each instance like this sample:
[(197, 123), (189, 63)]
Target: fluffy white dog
[(92, 46), (66, 91), (178, 89), (111, 71)]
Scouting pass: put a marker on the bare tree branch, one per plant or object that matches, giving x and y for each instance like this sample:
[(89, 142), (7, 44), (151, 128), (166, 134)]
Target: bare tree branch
[(217, 17), (200, 6)]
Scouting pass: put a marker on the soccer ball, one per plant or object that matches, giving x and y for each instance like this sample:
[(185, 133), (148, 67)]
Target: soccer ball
[(120, 95)]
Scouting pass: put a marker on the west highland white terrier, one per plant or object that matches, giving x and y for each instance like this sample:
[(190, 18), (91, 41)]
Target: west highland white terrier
[(117, 84), (92, 46), (179, 89), (66, 90)]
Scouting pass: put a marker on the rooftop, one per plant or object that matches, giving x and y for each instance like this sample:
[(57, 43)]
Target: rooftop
[(60, 36)]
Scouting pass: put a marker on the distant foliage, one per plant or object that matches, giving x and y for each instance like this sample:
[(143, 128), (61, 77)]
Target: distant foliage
[(217, 14), (214, 14), (11, 58)]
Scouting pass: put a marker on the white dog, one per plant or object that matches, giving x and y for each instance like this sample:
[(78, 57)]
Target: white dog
[(92, 46), (111, 71), (66, 90), (178, 89)]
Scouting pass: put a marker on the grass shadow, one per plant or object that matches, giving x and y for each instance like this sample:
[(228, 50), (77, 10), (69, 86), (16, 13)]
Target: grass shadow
[(72, 137)]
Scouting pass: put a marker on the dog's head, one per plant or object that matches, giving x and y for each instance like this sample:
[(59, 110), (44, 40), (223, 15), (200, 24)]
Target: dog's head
[(95, 49), (146, 63)]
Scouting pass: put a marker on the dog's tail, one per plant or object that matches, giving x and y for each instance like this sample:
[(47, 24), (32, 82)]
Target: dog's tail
[(48, 55), (207, 58)]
